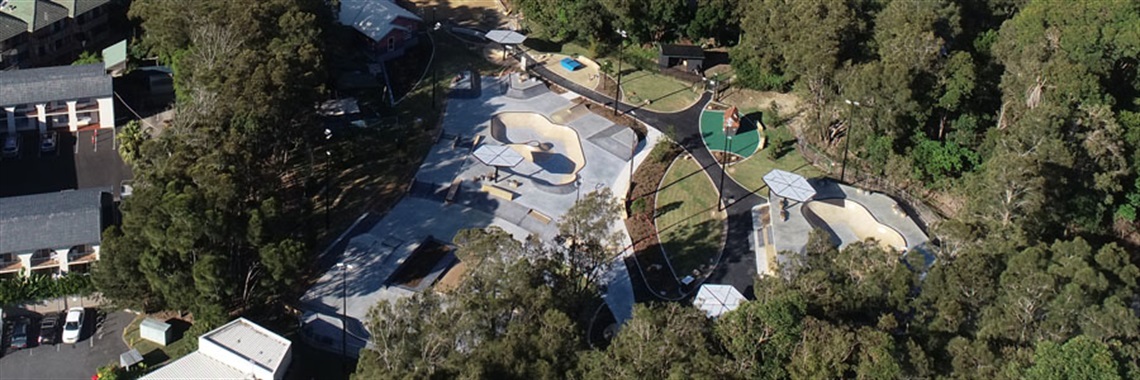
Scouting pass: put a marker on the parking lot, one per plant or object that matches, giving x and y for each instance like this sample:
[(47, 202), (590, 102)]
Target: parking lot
[(101, 342), (80, 160)]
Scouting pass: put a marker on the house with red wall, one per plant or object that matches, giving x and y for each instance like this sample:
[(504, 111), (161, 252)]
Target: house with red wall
[(385, 27)]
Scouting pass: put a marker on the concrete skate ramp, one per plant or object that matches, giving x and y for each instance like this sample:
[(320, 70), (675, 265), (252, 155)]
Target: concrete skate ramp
[(849, 221), (555, 149)]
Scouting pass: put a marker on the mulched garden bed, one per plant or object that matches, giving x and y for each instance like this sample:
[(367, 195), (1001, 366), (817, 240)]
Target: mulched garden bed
[(651, 261)]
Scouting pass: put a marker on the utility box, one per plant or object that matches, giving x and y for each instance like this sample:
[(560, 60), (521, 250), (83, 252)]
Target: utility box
[(155, 331)]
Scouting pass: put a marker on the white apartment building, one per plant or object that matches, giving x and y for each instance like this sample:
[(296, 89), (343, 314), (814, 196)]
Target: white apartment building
[(52, 233), (72, 97)]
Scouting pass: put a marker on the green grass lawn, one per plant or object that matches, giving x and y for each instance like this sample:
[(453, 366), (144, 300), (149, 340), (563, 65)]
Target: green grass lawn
[(153, 353), (689, 225), (750, 173), (665, 93), (745, 142)]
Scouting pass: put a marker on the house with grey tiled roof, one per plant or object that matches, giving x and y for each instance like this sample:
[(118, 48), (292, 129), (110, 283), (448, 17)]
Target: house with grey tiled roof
[(52, 233), (36, 33), (72, 97)]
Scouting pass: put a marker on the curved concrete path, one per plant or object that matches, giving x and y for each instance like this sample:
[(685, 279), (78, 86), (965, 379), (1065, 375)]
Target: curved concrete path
[(737, 266)]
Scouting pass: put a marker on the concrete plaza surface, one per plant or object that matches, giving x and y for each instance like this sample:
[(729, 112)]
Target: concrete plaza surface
[(447, 196)]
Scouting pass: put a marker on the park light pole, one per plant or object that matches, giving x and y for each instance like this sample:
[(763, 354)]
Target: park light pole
[(434, 80), (847, 137), (344, 268), (731, 124), (617, 91), (328, 180)]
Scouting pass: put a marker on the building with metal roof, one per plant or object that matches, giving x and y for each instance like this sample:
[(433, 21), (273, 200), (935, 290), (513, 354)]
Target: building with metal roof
[(389, 28), (238, 350), (56, 97), (52, 232), (40, 32)]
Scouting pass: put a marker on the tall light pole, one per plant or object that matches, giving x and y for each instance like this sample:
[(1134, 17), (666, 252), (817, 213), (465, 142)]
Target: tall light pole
[(328, 181), (632, 152), (847, 137), (434, 80), (617, 91), (731, 124), (344, 268)]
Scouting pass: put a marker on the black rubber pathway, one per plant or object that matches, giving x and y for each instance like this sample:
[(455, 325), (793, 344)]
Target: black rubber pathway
[(737, 266)]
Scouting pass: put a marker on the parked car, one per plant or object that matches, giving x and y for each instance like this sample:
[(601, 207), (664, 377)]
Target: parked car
[(20, 333), (11, 146), (49, 330), (47, 142), (72, 325)]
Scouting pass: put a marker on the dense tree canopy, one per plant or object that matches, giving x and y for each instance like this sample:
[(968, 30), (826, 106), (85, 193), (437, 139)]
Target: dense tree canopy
[(211, 226)]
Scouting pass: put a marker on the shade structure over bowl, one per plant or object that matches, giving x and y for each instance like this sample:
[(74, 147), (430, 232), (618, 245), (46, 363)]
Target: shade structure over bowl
[(717, 299), (498, 156), (789, 185), (506, 37)]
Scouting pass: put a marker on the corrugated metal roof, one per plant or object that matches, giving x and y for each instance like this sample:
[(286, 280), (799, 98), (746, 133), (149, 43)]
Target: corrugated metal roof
[(51, 220), (115, 54), (373, 17), (46, 84), (254, 342), (196, 365)]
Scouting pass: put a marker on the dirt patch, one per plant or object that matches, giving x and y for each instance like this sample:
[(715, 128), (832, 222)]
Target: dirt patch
[(487, 14), (751, 99)]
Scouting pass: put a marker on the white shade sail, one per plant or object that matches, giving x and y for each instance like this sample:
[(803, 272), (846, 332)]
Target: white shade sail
[(498, 156), (715, 299), (506, 37), (789, 185)]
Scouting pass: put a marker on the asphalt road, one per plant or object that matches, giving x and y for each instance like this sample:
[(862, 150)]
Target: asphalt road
[(98, 346), (737, 265)]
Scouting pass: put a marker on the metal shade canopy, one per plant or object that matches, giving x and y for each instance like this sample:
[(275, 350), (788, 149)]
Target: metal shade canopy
[(789, 185), (506, 37), (498, 156), (715, 299)]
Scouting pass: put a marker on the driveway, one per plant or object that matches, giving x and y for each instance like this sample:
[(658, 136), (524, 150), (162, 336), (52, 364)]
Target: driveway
[(98, 346)]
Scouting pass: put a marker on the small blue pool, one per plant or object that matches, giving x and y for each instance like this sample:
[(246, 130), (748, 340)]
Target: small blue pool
[(570, 64)]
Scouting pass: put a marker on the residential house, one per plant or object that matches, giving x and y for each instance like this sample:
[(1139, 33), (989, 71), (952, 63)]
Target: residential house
[(238, 350), (52, 233), (36, 33), (386, 28), (75, 97)]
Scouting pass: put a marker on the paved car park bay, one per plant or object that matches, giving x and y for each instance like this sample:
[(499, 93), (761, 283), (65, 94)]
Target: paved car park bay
[(99, 345), (84, 159)]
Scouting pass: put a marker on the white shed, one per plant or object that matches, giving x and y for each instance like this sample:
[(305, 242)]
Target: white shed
[(155, 331)]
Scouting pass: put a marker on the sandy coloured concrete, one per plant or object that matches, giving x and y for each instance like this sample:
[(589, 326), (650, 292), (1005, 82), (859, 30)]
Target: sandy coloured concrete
[(851, 222), (556, 149), (790, 231)]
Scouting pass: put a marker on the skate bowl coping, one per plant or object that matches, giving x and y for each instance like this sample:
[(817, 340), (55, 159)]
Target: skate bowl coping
[(556, 150)]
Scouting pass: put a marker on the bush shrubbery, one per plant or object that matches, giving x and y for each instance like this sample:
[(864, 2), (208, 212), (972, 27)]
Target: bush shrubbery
[(39, 287)]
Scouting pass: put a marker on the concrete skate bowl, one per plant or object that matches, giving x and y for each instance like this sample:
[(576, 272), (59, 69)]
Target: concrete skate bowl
[(848, 221), (553, 152)]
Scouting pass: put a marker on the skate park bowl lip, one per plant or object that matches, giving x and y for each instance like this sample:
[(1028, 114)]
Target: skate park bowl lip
[(554, 148), (845, 219)]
